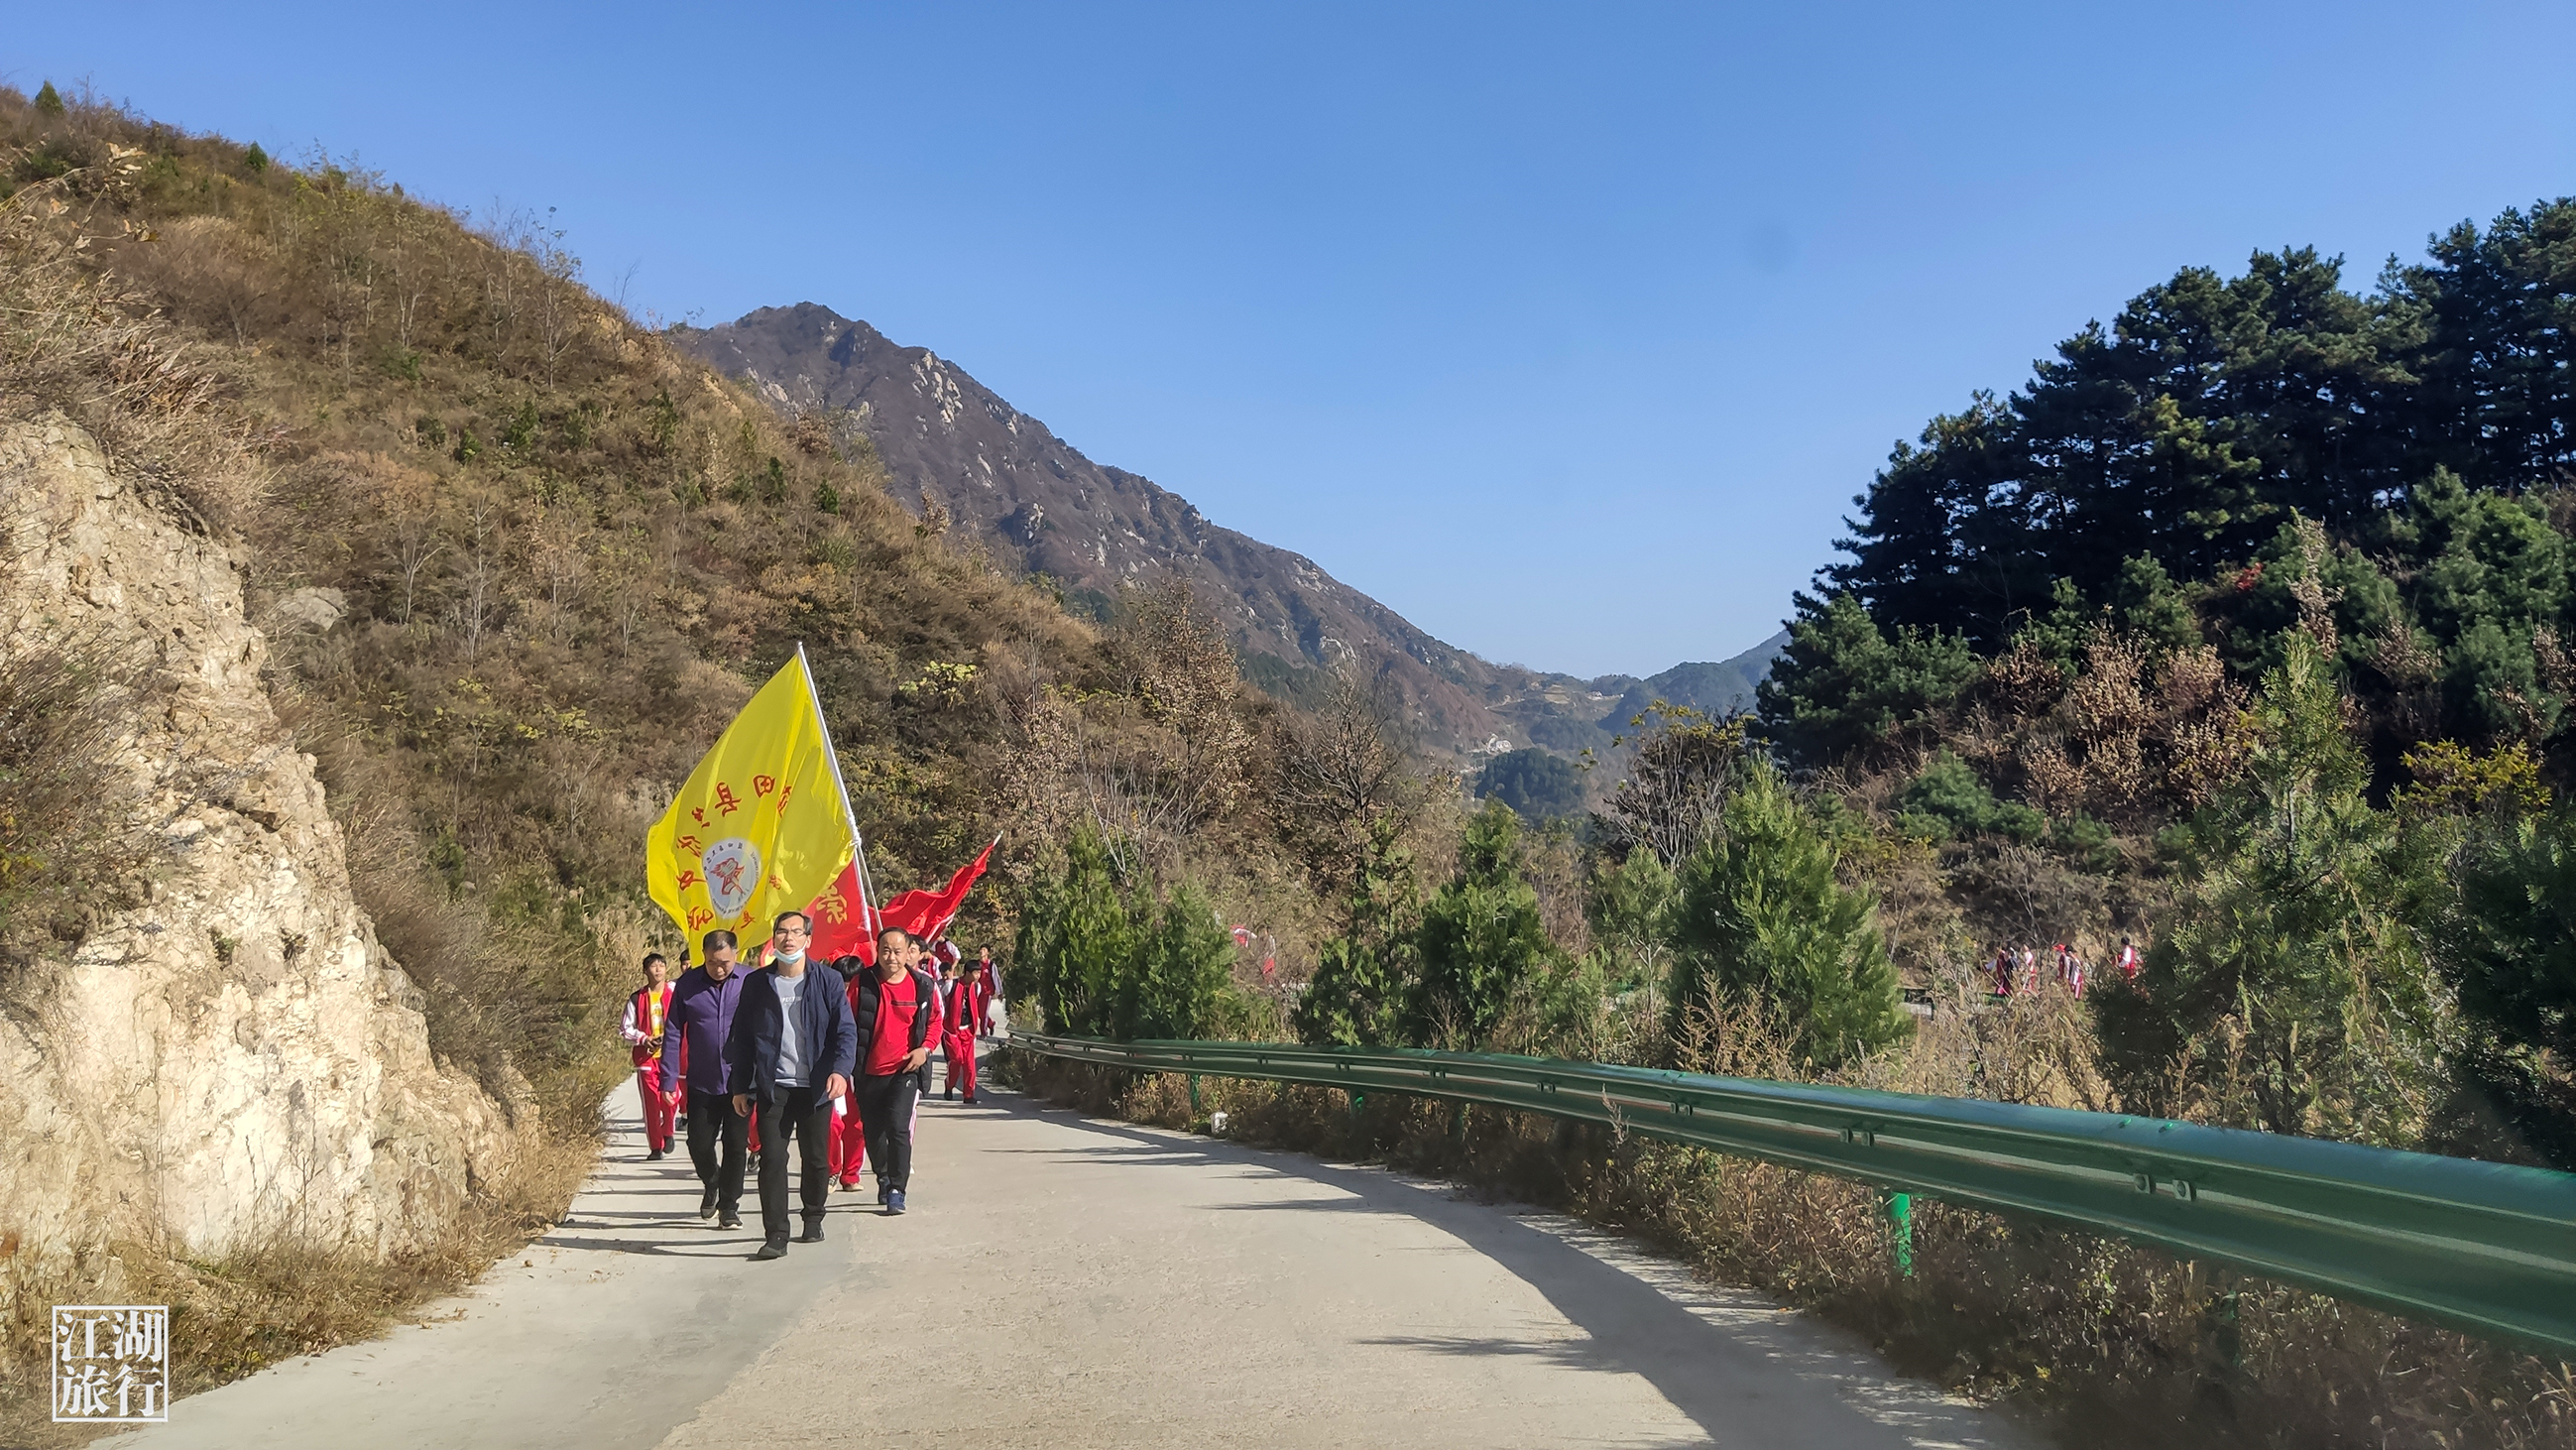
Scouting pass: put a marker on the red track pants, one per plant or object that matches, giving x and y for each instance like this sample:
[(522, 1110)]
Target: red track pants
[(961, 1060), (847, 1146), (659, 1108)]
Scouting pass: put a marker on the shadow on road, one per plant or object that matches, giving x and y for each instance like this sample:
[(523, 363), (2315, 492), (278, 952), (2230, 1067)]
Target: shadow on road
[(1718, 1356)]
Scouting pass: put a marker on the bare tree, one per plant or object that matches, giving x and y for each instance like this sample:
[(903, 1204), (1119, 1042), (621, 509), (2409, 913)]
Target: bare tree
[(475, 607), (406, 271), (1184, 675), (1678, 778), (631, 581), (413, 539), (559, 559), (558, 292), (1346, 784)]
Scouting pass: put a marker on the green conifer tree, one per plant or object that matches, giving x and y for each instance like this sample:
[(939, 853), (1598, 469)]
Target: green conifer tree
[(1365, 978), (2292, 986), (1482, 940), (1762, 916), (1078, 939), (1177, 985)]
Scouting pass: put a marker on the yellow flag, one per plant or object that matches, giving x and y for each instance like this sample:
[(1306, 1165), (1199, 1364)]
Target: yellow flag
[(762, 826)]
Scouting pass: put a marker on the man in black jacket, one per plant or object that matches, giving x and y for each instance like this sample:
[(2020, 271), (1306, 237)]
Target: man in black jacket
[(792, 1048), (892, 1008)]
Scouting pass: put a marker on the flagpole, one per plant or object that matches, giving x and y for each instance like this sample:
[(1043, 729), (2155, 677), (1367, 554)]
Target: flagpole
[(832, 757)]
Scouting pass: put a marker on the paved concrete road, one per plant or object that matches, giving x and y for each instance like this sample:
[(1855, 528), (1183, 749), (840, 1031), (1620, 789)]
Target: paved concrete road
[(1067, 1282)]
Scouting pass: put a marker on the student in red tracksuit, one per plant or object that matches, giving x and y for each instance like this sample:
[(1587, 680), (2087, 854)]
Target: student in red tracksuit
[(646, 1012), (957, 1040), (988, 985)]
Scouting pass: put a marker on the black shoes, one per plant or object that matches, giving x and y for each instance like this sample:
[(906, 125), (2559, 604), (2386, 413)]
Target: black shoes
[(773, 1249), (653, 1157), (707, 1202), (970, 1097), (813, 1233), (730, 1220), (951, 1095)]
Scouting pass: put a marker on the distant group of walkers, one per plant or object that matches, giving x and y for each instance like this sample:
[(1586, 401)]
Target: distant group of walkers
[(2010, 973), (829, 1059)]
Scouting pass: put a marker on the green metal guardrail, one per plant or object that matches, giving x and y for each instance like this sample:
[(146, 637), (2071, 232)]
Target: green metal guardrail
[(2485, 1247)]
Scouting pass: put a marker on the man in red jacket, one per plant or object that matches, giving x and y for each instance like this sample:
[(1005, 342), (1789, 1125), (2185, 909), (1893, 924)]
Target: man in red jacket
[(958, 1028), (646, 1013), (894, 1009)]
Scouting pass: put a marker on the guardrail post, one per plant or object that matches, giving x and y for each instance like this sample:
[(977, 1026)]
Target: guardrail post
[(1899, 1208), (1194, 1095), (2225, 1331)]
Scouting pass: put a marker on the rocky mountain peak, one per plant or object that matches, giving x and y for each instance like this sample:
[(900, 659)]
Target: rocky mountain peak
[(1042, 507)]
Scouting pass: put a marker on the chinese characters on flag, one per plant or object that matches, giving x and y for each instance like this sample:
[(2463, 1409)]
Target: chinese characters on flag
[(761, 824)]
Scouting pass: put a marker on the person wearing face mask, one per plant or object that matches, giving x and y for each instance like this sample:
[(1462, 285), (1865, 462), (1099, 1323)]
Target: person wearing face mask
[(703, 1004), (793, 1049)]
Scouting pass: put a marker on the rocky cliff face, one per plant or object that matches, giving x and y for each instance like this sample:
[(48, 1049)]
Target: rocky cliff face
[(233, 1056)]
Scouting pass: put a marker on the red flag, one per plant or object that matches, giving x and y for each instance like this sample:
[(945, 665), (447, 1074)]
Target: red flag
[(845, 925), (925, 914)]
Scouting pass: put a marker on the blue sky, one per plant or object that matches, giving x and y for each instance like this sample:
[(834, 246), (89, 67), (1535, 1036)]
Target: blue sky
[(1568, 331)]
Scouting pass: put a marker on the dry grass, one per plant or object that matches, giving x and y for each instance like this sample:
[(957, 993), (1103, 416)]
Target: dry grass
[(565, 550), (269, 1302), (2098, 1342)]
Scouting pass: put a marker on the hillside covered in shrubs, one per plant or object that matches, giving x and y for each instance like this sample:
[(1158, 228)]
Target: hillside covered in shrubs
[(2242, 629)]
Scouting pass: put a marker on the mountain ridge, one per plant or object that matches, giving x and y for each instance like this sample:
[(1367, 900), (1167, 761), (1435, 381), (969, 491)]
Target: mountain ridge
[(1039, 503)]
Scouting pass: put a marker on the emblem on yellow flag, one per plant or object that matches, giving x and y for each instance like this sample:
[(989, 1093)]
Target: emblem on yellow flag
[(762, 825)]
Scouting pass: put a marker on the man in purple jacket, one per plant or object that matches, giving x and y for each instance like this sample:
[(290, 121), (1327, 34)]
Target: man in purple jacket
[(702, 1011)]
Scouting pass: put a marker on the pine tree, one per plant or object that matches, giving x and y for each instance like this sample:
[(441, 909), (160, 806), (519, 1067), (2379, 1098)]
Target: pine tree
[(2511, 955), (1843, 686), (1365, 978), (1763, 917), (1180, 975), (2292, 986), (49, 102), (1482, 941), (1078, 939)]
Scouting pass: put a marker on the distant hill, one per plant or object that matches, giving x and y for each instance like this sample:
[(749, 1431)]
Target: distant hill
[(1718, 688), (1042, 507)]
